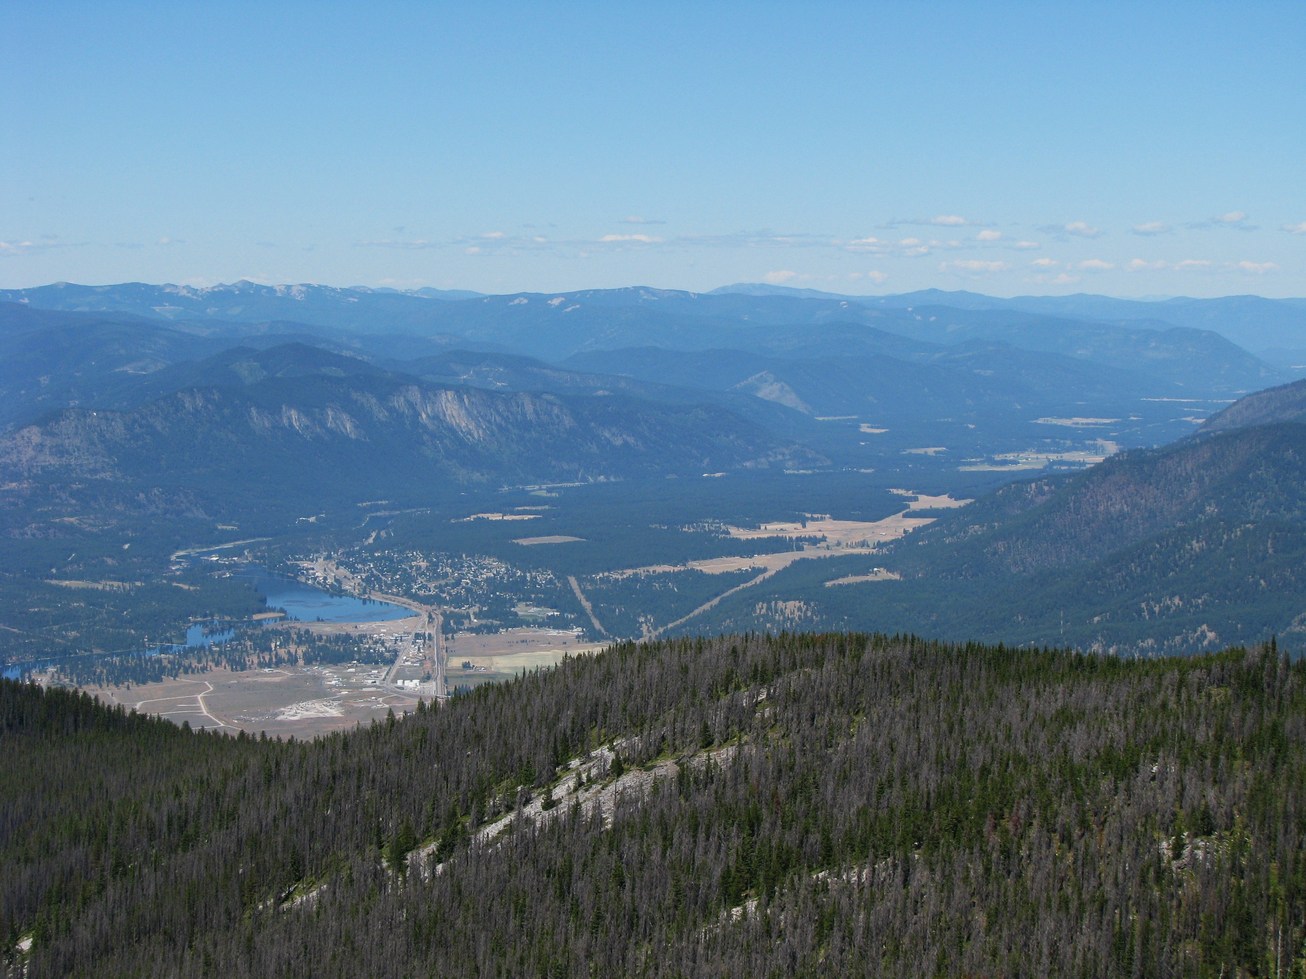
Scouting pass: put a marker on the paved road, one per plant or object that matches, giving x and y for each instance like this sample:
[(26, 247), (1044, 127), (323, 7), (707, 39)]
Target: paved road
[(713, 602), (585, 604), (435, 623)]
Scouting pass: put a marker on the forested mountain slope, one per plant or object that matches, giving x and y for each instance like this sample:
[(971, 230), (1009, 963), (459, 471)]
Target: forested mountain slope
[(1285, 403), (300, 422), (1241, 476), (1185, 548), (839, 804), (49, 360)]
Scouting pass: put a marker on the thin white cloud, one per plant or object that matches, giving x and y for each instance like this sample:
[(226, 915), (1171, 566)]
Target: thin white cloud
[(780, 276), (1096, 265), (1149, 228), (938, 221), (1026, 245), (1237, 220), (1295, 229), (636, 219), (752, 239), (1202, 265), (639, 239), (13, 249), (482, 243), (1077, 229), (910, 247), (499, 242), (973, 265), (988, 234), (868, 244), (414, 244), (1045, 263)]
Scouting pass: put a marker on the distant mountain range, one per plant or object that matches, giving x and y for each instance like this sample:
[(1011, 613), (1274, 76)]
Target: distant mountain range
[(554, 326), (973, 375), (1274, 326)]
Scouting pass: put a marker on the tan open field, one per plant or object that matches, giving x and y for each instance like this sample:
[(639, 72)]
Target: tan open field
[(839, 537), (514, 650), (1076, 422), (301, 701), (497, 657), (551, 539), (923, 501), (1040, 460), (498, 516)]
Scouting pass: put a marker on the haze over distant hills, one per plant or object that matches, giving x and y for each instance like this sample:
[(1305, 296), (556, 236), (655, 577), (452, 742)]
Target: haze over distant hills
[(964, 375), (131, 402), (1259, 324), (1249, 321)]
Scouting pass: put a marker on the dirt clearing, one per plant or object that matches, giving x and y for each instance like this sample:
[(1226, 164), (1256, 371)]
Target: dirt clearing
[(303, 701)]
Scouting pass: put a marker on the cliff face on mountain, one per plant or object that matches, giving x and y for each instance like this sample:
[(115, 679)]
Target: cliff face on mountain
[(374, 428)]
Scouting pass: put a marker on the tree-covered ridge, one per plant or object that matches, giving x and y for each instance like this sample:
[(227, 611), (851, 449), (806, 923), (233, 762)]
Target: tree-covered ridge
[(833, 804), (1285, 403), (1191, 547), (1242, 476)]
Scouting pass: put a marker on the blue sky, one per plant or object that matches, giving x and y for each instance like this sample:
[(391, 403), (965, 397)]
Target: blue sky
[(1132, 149)]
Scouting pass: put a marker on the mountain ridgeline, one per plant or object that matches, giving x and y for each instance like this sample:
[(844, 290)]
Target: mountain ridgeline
[(300, 420)]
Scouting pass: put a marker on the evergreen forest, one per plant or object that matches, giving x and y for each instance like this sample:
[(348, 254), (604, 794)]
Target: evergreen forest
[(749, 805)]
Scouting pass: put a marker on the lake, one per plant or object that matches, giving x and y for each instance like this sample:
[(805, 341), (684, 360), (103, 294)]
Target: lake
[(307, 603)]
